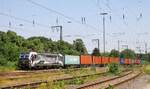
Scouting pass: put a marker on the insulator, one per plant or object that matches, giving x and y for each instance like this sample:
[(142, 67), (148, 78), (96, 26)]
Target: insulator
[(123, 16), (33, 22), (9, 24), (110, 18), (141, 15)]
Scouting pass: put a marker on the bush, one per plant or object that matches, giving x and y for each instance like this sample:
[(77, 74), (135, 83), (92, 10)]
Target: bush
[(147, 69), (77, 81), (3, 61), (42, 86), (59, 85), (110, 87), (114, 68), (93, 68)]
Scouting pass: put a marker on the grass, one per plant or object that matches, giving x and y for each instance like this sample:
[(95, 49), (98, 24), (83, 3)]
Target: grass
[(75, 81), (61, 84), (81, 80), (114, 68), (52, 85), (146, 69), (10, 66), (7, 69), (33, 77)]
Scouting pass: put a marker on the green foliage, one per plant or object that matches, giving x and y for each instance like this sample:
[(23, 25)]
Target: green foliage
[(79, 46), (93, 68), (128, 53), (43, 86), (110, 87), (59, 85), (147, 69), (114, 68), (114, 53), (148, 57), (3, 61), (106, 54), (77, 81), (66, 48), (145, 57), (8, 66), (96, 52)]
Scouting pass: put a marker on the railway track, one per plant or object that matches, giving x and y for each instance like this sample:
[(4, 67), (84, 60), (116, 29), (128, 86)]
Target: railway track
[(15, 74), (106, 83), (22, 72), (36, 84)]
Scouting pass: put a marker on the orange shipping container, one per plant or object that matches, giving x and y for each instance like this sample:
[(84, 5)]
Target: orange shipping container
[(127, 61), (97, 60), (105, 60), (113, 60), (86, 59), (116, 60)]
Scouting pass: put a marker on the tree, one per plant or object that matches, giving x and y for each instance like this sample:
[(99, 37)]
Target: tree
[(96, 52), (12, 36), (35, 45), (114, 53), (3, 61), (66, 48), (148, 57), (106, 54), (79, 46), (128, 53)]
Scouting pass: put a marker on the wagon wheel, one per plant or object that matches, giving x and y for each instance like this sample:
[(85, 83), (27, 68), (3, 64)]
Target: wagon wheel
[(29, 65)]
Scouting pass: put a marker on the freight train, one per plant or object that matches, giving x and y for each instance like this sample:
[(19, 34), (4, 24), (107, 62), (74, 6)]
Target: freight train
[(38, 60)]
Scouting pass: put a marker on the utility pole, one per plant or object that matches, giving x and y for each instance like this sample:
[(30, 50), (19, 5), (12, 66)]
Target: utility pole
[(145, 48), (118, 46), (139, 49), (60, 30), (97, 43), (103, 14)]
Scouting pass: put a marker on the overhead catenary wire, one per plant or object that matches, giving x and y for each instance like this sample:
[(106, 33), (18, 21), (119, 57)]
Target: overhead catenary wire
[(33, 22), (110, 10), (24, 20), (61, 14), (110, 16), (110, 13)]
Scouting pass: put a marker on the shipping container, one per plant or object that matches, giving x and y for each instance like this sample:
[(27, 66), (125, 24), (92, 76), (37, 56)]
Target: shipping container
[(122, 61), (116, 60), (105, 60), (128, 61), (86, 59), (113, 60), (137, 61), (72, 60), (97, 59)]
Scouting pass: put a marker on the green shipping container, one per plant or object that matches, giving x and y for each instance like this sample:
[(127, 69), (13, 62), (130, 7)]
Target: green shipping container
[(72, 60)]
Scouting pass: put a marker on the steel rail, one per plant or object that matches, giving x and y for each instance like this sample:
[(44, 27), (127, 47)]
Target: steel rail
[(36, 84), (108, 80)]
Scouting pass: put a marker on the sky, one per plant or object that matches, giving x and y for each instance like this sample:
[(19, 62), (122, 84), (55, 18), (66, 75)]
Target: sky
[(129, 23)]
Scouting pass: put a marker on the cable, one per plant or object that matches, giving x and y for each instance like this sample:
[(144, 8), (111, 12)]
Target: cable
[(21, 19), (61, 14)]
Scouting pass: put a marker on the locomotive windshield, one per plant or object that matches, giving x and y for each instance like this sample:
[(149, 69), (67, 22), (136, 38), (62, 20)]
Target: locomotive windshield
[(24, 56)]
